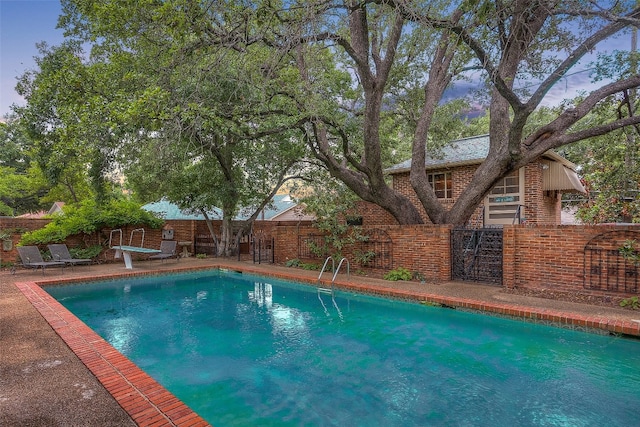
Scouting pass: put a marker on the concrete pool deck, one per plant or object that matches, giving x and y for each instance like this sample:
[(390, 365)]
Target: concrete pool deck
[(54, 371)]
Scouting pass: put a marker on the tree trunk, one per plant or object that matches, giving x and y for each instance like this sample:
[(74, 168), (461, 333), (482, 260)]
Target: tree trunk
[(225, 249), (211, 230)]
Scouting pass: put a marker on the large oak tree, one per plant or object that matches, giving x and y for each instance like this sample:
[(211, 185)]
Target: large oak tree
[(518, 49), (191, 95)]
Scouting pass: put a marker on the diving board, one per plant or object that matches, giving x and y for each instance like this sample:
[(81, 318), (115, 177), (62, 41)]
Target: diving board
[(126, 250)]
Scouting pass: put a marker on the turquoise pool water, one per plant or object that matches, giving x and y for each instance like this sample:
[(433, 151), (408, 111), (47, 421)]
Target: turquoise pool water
[(243, 350)]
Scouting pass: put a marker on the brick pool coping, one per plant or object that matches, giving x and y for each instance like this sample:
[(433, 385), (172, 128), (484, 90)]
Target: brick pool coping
[(548, 316), (150, 404), (143, 398), (518, 311)]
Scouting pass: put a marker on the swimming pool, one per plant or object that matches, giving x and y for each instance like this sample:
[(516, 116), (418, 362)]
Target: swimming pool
[(247, 350)]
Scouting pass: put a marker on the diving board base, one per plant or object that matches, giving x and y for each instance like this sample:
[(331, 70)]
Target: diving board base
[(125, 252)]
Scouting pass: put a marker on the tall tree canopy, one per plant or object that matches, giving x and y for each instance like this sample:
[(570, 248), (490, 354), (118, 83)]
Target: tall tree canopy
[(611, 163), (354, 77), (189, 108), (66, 121)]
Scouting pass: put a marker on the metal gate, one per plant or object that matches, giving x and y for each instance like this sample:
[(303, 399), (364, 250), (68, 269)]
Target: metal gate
[(605, 268), (263, 249), (476, 255)]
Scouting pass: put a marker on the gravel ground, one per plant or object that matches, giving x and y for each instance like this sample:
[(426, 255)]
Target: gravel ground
[(42, 382)]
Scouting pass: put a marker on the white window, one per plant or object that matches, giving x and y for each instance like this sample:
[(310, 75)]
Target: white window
[(442, 184)]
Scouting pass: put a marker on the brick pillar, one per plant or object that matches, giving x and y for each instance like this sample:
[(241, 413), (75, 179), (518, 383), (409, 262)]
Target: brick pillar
[(509, 255), (445, 245)]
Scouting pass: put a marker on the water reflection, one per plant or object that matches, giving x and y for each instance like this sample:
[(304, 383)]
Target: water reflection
[(262, 294), (287, 322), (121, 333)]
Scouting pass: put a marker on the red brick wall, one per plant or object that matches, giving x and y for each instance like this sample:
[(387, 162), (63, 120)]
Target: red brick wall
[(374, 215), (419, 248), (536, 257), (183, 231), (554, 257), (17, 226)]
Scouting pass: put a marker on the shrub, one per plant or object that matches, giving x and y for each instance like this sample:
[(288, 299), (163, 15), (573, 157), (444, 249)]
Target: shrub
[(632, 302), (88, 218), (310, 266), (399, 273), (83, 253), (295, 262)]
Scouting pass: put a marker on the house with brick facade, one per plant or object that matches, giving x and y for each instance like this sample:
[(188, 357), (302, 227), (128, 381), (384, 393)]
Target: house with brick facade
[(531, 194)]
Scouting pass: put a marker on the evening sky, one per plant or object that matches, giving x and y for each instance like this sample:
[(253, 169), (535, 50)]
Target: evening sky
[(24, 23)]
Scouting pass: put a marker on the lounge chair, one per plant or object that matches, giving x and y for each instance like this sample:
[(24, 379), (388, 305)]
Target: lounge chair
[(60, 252), (167, 250), (31, 258)]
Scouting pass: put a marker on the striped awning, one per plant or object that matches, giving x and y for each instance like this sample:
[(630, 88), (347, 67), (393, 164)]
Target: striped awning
[(558, 177)]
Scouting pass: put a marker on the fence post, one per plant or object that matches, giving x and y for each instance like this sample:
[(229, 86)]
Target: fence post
[(508, 255)]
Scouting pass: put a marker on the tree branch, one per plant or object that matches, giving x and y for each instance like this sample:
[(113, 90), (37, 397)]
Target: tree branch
[(553, 135), (584, 48)]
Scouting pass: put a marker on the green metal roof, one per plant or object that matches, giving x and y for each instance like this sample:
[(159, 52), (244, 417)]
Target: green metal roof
[(169, 210)]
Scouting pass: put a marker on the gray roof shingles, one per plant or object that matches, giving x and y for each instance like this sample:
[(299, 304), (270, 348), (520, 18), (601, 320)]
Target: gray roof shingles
[(462, 151)]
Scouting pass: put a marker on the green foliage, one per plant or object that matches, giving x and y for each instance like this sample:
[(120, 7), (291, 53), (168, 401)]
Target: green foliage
[(201, 256), (310, 266), (333, 204), (295, 262), (65, 122), (83, 253), (21, 189), (190, 114), (629, 252), (363, 257), (220, 84), (88, 218), (632, 303), (399, 273), (610, 163)]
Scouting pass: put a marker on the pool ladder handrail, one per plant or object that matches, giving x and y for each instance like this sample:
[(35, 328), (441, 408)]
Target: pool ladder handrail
[(338, 270), (141, 240), (335, 272), (324, 266)]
